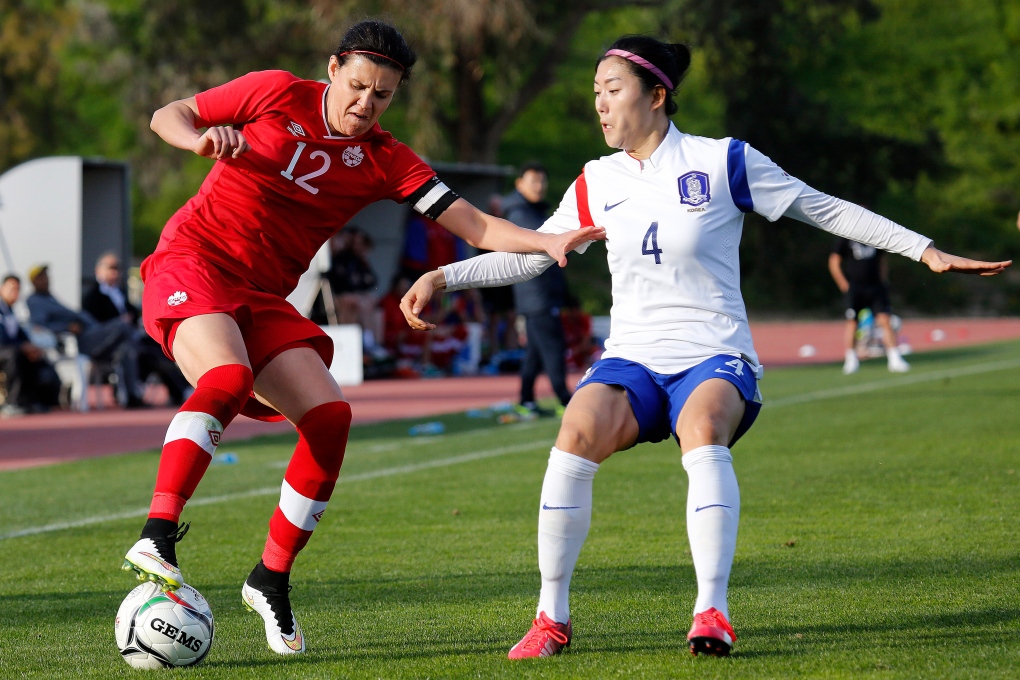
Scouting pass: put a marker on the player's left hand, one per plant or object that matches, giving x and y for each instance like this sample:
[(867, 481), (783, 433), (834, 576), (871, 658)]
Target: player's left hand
[(940, 262), (561, 244), (418, 296)]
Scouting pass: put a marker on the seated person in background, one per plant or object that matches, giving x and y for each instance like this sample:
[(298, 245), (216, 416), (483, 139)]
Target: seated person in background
[(353, 281), (31, 383), (862, 275), (111, 340), (105, 301), (425, 354)]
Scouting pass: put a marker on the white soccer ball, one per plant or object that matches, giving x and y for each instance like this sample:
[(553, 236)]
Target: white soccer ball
[(162, 630)]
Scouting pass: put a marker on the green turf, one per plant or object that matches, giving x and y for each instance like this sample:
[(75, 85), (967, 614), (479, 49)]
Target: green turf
[(878, 539)]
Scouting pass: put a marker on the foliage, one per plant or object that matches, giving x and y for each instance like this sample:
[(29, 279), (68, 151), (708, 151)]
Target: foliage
[(910, 107)]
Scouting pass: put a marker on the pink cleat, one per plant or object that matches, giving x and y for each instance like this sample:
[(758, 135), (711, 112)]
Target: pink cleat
[(711, 634), (545, 638)]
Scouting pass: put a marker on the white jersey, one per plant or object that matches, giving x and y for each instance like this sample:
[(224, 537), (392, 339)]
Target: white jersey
[(673, 225)]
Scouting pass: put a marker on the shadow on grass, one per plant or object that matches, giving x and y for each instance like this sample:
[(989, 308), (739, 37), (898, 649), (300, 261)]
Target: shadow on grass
[(626, 582), (430, 632)]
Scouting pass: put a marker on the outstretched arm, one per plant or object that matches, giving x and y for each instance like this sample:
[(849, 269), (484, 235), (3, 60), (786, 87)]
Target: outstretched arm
[(177, 125), (484, 271), (492, 233), (849, 220)]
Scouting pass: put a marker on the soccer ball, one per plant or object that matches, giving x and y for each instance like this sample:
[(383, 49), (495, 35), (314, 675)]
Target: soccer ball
[(157, 629)]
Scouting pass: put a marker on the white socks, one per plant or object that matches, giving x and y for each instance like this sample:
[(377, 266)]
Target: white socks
[(563, 522), (713, 512), (896, 362)]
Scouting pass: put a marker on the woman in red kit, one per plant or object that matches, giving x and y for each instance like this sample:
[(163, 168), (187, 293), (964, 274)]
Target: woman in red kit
[(296, 159)]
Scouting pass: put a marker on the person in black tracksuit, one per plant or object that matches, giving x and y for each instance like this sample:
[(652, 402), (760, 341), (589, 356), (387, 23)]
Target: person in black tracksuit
[(861, 273), (538, 300)]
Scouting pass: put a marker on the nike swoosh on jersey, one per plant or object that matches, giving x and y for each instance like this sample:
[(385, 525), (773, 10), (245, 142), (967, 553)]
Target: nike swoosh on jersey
[(608, 207)]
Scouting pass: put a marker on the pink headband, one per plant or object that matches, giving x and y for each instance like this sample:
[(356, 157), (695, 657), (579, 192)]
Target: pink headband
[(374, 54), (640, 61)]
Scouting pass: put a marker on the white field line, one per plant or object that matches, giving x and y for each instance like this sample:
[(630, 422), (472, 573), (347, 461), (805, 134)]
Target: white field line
[(275, 490), (877, 385), (804, 398)]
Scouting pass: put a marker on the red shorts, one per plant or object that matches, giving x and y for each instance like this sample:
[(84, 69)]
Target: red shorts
[(182, 285)]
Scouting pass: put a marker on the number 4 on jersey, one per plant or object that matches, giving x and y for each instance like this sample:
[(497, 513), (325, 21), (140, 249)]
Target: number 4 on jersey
[(652, 237)]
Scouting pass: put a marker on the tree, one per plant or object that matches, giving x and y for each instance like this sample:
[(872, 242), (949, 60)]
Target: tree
[(483, 63)]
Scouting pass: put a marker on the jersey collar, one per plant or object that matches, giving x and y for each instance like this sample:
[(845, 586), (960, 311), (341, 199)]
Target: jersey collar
[(669, 144), (371, 133)]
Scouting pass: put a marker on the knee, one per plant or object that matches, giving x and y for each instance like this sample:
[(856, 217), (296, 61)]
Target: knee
[(325, 429), (235, 379), (704, 432), (579, 440)]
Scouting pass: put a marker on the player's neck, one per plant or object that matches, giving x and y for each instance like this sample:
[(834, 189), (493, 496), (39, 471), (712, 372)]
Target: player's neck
[(649, 141)]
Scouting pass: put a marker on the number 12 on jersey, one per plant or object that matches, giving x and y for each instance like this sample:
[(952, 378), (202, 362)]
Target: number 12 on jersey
[(303, 180), (652, 239)]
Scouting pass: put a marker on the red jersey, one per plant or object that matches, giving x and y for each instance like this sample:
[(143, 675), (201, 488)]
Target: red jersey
[(264, 215)]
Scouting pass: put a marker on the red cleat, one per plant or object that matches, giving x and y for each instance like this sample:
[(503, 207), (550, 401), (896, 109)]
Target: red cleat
[(545, 638), (711, 634)]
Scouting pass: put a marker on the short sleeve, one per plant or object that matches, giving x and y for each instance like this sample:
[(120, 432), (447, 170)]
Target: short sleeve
[(572, 213), (758, 184), (243, 99), (408, 172), (841, 247)]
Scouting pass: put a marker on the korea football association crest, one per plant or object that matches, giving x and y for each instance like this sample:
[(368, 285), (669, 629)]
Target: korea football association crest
[(694, 188), (353, 156)]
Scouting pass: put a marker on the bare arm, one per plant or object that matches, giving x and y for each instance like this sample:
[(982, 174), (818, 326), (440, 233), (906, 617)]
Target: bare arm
[(837, 272), (176, 124), (492, 233)]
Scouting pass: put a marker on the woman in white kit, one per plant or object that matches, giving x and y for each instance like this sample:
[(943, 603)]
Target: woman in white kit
[(679, 359)]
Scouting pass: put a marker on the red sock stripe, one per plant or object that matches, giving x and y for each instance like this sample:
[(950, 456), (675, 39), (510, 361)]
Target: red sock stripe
[(312, 472), (220, 393)]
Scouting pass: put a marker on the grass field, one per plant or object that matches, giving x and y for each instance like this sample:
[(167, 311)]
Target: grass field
[(878, 538)]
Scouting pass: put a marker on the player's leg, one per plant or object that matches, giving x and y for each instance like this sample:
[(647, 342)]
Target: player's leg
[(895, 360), (531, 366), (211, 353), (553, 346), (850, 361), (297, 384), (597, 422), (706, 425)]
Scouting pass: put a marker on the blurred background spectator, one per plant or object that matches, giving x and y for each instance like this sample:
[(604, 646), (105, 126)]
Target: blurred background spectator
[(541, 299), (112, 341), (106, 300), (353, 282), (29, 382)]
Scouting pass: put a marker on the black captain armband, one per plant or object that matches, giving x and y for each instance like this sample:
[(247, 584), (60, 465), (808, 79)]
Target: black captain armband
[(432, 198)]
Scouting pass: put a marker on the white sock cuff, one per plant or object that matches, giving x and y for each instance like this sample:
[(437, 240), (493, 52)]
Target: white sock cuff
[(572, 465), (706, 454)]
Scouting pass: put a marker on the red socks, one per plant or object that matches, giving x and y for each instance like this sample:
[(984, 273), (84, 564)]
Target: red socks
[(308, 482), (193, 435)]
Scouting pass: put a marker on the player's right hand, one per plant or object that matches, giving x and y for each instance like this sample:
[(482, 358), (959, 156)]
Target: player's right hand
[(561, 244), (221, 142), (418, 295)]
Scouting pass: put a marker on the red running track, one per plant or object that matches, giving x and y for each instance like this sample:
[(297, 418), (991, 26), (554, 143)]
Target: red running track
[(45, 439)]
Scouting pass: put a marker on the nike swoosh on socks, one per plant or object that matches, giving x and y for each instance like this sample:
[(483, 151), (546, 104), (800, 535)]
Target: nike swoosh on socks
[(714, 505)]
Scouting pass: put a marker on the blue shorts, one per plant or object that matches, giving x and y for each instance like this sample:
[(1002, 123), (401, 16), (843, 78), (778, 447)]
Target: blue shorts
[(656, 399)]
